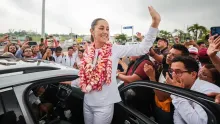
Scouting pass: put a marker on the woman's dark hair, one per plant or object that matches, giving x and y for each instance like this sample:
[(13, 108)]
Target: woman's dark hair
[(182, 48), (94, 23), (214, 72), (190, 63)]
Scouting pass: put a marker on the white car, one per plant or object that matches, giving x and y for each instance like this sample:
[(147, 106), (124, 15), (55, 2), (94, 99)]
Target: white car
[(31, 93)]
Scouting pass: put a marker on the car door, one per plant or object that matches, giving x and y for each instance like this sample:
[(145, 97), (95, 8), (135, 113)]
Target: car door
[(10, 110), (130, 113), (126, 114), (23, 93)]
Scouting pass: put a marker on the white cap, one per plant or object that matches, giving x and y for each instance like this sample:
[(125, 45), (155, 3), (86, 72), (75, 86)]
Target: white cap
[(193, 50)]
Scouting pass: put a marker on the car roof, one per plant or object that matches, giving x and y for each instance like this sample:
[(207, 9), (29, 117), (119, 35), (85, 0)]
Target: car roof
[(8, 63), (14, 71), (17, 79)]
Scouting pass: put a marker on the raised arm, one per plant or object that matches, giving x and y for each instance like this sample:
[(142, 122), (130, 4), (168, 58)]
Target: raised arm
[(4, 38), (214, 47), (144, 46)]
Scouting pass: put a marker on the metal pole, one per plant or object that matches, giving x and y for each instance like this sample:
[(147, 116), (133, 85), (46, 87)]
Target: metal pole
[(71, 33), (132, 33), (43, 20)]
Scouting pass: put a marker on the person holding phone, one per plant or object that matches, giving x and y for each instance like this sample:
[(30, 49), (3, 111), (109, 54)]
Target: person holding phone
[(48, 55), (97, 74), (163, 108), (213, 49), (27, 52), (51, 42)]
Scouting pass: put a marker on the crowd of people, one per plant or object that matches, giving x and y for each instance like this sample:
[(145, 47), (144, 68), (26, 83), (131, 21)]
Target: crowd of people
[(190, 65), (48, 49)]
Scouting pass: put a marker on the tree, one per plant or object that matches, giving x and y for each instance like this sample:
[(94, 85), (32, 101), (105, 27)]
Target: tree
[(197, 31), (121, 38), (165, 34), (181, 34), (11, 31)]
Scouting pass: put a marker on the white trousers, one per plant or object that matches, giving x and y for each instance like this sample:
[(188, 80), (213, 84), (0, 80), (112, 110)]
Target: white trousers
[(98, 114)]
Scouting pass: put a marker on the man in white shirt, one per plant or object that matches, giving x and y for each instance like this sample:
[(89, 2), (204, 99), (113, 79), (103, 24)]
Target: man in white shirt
[(70, 58), (58, 55), (184, 72)]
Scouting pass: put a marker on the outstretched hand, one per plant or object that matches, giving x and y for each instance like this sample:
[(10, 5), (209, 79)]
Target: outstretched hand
[(4, 38), (150, 72), (155, 17), (214, 45), (216, 95)]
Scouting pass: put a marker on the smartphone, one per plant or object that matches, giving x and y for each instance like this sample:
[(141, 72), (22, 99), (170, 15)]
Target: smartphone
[(157, 50), (215, 30), (32, 43)]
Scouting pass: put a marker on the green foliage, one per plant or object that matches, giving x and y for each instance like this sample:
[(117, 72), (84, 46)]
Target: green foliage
[(165, 34), (182, 35), (121, 38), (197, 31)]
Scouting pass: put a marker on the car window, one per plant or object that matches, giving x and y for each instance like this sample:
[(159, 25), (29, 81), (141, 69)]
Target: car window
[(168, 108), (10, 110), (52, 101)]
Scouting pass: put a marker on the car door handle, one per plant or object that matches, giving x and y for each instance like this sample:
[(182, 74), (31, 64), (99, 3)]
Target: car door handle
[(134, 120)]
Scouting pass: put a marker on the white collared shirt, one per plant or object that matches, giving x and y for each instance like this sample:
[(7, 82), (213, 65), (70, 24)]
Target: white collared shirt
[(69, 60), (188, 112), (109, 93), (58, 59)]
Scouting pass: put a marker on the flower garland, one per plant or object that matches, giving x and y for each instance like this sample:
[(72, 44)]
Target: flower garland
[(93, 77)]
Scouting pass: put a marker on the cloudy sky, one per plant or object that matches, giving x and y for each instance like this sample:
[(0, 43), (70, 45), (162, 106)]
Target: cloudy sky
[(61, 15)]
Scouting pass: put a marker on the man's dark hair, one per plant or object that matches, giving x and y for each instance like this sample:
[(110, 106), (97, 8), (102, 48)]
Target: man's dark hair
[(70, 48), (190, 63), (182, 48), (42, 40), (58, 49), (200, 43), (165, 40)]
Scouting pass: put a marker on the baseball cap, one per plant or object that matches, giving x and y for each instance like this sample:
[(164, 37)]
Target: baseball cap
[(203, 53), (163, 39), (193, 50)]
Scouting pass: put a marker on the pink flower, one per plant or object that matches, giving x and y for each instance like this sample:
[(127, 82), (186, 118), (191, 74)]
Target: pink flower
[(93, 78)]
